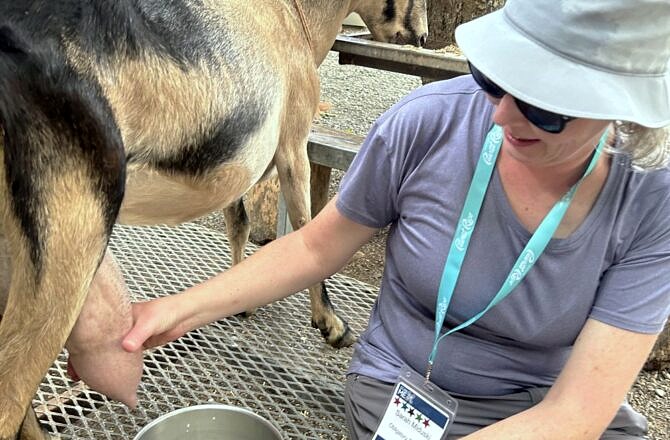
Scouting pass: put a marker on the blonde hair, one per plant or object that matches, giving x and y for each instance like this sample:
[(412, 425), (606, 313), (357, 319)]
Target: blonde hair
[(649, 148)]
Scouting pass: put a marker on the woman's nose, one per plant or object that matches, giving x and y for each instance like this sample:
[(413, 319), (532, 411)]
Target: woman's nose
[(507, 112)]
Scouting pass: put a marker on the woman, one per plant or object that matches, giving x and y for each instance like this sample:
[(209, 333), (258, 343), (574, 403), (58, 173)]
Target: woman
[(526, 266)]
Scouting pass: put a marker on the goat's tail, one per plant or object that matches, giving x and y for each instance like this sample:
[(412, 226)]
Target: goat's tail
[(61, 186)]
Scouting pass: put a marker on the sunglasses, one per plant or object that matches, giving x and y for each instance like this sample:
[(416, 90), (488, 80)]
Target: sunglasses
[(542, 119)]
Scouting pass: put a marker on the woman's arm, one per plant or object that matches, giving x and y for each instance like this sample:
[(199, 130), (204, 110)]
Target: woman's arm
[(601, 369), (277, 270)]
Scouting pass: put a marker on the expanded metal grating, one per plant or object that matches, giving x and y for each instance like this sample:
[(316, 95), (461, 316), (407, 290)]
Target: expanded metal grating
[(273, 363)]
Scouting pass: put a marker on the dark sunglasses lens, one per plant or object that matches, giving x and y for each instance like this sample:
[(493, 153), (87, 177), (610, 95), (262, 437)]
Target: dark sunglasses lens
[(543, 119), (486, 84)]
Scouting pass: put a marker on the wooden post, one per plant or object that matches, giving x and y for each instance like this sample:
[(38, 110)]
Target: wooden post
[(320, 185), (261, 205), (445, 15)]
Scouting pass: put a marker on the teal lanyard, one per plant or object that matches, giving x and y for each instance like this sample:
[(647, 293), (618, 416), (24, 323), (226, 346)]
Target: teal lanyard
[(466, 224)]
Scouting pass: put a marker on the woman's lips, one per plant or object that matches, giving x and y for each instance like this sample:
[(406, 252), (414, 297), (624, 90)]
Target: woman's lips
[(519, 142)]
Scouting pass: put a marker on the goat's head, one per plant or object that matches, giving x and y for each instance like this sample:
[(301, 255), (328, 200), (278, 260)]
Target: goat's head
[(395, 21)]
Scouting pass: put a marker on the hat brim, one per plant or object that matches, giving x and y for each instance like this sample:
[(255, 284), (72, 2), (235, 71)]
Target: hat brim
[(546, 79)]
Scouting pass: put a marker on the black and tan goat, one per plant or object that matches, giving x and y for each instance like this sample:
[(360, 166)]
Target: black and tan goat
[(143, 112)]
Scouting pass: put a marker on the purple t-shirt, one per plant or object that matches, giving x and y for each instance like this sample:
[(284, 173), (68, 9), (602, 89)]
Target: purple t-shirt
[(413, 173)]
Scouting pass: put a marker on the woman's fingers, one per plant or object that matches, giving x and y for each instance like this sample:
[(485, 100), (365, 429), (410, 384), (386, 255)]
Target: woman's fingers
[(148, 321), (155, 323)]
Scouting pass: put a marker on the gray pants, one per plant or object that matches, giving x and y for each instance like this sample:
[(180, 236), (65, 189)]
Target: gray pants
[(365, 401)]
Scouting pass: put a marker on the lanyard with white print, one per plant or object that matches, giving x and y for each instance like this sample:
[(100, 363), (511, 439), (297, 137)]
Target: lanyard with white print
[(466, 225)]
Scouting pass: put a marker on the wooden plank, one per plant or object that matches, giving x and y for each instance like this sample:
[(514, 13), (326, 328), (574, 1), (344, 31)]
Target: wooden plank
[(319, 187), (399, 58), (332, 148)]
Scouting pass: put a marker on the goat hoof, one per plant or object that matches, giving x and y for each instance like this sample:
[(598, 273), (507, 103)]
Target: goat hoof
[(338, 335), (247, 314)]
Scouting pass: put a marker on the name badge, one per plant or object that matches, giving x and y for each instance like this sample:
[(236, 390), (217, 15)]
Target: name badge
[(418, 410)]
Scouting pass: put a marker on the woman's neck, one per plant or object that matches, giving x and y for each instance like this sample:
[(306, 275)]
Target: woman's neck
[(532, 191), (547, 178)]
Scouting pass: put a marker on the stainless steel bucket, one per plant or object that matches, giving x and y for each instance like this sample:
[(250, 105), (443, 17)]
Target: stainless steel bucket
[(209, 422)]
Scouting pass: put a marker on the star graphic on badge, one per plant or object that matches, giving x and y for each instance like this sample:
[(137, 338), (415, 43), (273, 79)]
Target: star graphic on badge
[(411, 412), (396, 401), (419, 418), (426, 423), (404, 405)]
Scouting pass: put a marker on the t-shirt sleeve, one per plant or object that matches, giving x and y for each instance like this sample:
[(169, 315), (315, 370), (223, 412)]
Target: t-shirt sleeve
[(428, 118), (368, 193), (634, 293)]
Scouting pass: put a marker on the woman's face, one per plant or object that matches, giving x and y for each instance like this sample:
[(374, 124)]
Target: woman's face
[(529, 144)]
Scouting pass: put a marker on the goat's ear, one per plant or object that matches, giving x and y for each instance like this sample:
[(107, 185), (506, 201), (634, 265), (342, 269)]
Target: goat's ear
[(11, 43)]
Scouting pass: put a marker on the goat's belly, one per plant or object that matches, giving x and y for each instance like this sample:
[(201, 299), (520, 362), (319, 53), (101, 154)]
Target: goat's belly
[(155, 197)]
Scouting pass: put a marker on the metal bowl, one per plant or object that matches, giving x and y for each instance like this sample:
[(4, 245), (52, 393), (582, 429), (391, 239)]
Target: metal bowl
[(209, 422)]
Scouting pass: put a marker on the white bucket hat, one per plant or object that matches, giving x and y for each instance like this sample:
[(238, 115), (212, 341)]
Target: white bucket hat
[(604, 59)]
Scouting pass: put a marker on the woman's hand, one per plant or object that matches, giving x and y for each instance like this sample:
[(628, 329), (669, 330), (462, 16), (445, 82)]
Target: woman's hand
[(157, 322)]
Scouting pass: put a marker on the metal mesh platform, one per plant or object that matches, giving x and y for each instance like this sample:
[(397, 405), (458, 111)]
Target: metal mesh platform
[(273, 363)]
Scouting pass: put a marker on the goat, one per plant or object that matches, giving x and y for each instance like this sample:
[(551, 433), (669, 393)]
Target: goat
[(145, 112)]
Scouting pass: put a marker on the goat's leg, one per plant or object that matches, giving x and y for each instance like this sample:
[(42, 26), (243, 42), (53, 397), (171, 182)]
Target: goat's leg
[(49, 281), (94, 344), (31, 429), (5, 273), (237, 231), (294, 177), (61, 186)]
